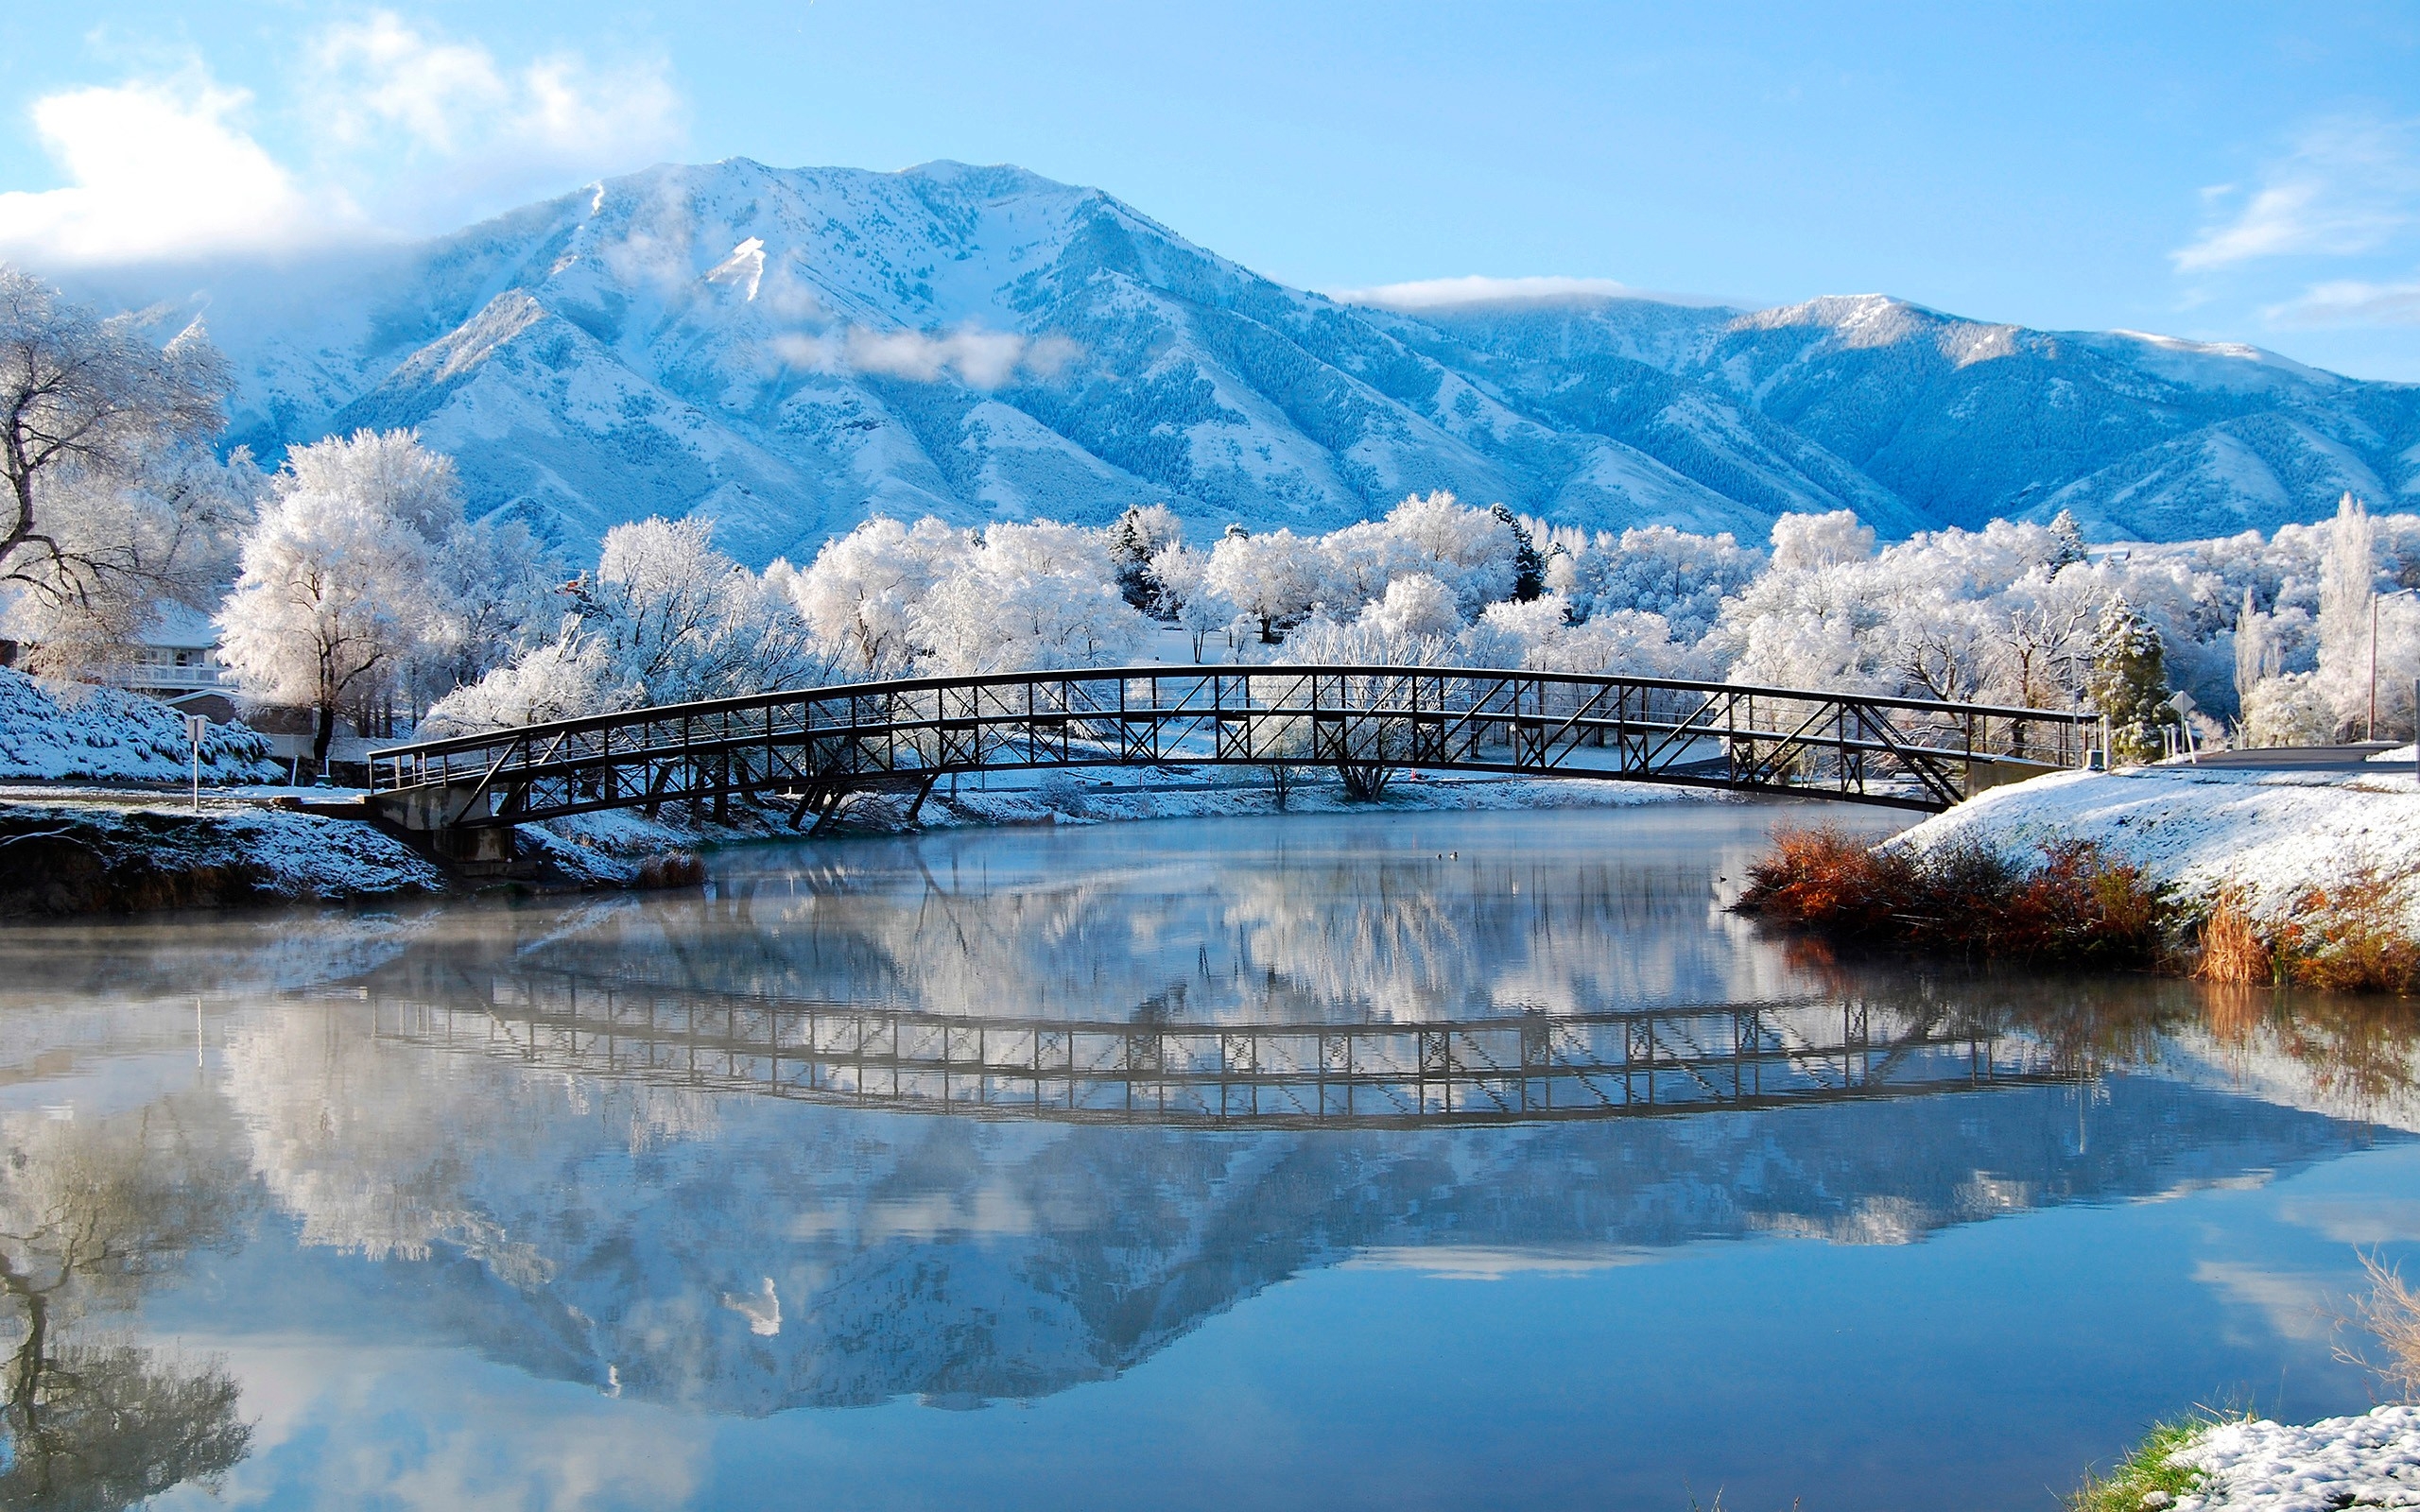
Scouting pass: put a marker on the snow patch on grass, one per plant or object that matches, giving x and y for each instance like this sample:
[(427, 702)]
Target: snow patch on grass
[(2371, 1460)]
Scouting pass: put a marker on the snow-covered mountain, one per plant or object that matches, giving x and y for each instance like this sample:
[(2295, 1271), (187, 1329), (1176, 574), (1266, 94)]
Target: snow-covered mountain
[(792, 349)]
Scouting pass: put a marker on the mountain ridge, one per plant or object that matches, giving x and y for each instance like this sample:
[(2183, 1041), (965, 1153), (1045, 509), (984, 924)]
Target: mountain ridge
[(793, 350)]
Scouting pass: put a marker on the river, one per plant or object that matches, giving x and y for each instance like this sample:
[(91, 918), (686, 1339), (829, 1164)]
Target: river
[(1395, 1159)]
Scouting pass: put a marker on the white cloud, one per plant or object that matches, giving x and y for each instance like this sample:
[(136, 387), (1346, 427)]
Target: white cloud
[(401, 133), (1439, 293), (2349, 187), (159, 170), (2349, 302), (980, 358), (381, 82)]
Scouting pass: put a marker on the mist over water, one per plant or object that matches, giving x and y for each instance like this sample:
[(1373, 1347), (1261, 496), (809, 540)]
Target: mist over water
[(1320, 1162)]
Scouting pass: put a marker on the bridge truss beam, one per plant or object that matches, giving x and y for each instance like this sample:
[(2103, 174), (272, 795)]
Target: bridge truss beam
[(815, 745)]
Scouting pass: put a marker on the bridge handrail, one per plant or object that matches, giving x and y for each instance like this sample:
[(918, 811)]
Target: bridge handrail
[(833, 692)]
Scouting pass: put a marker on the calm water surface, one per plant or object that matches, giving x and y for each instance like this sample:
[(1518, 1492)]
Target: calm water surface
[(1398, 1160)]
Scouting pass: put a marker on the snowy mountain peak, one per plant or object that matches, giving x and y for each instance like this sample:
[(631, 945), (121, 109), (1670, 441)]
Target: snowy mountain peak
[(793, 349)]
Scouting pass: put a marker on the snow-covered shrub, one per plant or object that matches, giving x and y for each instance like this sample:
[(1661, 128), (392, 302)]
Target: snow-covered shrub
[(2288, 709), (50, 731)]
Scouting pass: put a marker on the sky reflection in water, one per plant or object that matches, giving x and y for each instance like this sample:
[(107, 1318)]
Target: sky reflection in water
[(1401, 1159)]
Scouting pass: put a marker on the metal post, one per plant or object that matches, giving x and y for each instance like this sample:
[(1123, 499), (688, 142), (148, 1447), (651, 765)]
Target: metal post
[(197, 726)]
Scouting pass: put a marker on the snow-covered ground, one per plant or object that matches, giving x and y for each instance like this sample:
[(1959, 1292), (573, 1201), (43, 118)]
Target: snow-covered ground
[(117, 853), (2371, 1460), (49, 732), (2274, 835)]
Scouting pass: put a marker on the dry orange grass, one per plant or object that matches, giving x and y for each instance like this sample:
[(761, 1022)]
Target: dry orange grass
[(2233, 949)]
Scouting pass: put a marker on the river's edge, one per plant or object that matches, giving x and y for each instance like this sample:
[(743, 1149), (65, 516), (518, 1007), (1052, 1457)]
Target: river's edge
[(2258, 1465), (91, 852)]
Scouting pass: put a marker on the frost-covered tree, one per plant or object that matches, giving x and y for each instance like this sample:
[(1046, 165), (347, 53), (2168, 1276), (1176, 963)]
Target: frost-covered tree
[(1529, 566), (2290, 709), (861, 592), (1476, 553), (1541, 635), (2348, 577), (114, 500), (2043, 649), (1417, 607), (1803, 542), (1272, 579), (665, 618), (679, 621), (1029, 596), (336, 595), (1183, 576), (1135, 539), (494, 586), (2129, 682), (2069, 539)]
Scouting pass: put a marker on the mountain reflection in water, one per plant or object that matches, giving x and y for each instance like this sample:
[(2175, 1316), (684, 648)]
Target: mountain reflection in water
[(984, 1117)]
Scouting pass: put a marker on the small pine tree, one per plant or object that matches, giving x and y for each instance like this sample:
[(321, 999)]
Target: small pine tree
[(1529, 567), (2069, 549), (2129, 682)]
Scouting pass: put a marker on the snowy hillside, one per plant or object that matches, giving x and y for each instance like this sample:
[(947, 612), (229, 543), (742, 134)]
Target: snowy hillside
[(795, 349)]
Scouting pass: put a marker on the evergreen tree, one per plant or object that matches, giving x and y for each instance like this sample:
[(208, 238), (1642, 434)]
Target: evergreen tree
[(1136, 536), (2070, 547), (1529, 567), (2129, 682)]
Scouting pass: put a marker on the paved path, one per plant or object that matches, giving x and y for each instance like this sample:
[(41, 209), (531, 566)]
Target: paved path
[(2302, 759)]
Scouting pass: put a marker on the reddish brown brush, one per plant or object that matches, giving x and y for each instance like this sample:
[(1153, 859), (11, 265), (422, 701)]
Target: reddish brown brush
[(1828, 882), (2079, 904), (2351, 938)]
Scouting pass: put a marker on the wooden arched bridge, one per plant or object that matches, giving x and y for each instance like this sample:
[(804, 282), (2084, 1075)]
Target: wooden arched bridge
[(813, 748)]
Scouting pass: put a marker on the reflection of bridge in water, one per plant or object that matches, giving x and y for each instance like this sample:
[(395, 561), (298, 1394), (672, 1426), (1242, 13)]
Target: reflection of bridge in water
[(1505, 1068), (814, 748)]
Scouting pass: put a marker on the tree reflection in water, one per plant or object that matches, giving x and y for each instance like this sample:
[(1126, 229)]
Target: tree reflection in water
[(91, 1212)]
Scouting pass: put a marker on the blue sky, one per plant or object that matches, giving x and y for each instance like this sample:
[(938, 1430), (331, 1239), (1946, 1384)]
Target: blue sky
[(2225, 172)]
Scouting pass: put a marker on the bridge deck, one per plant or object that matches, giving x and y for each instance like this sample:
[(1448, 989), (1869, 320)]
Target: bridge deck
[(815, 746)]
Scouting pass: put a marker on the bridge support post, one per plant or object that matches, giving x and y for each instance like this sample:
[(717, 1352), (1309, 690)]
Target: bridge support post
[(432, 818)]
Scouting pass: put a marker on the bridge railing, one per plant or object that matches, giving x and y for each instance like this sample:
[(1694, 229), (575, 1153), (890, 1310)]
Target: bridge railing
[(1354, 717), (1502, 1067)]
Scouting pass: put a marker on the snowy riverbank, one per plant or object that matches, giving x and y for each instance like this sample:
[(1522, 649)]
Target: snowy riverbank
[(2272, 836), (2369, 1460), (127, 855), (73, 850)]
